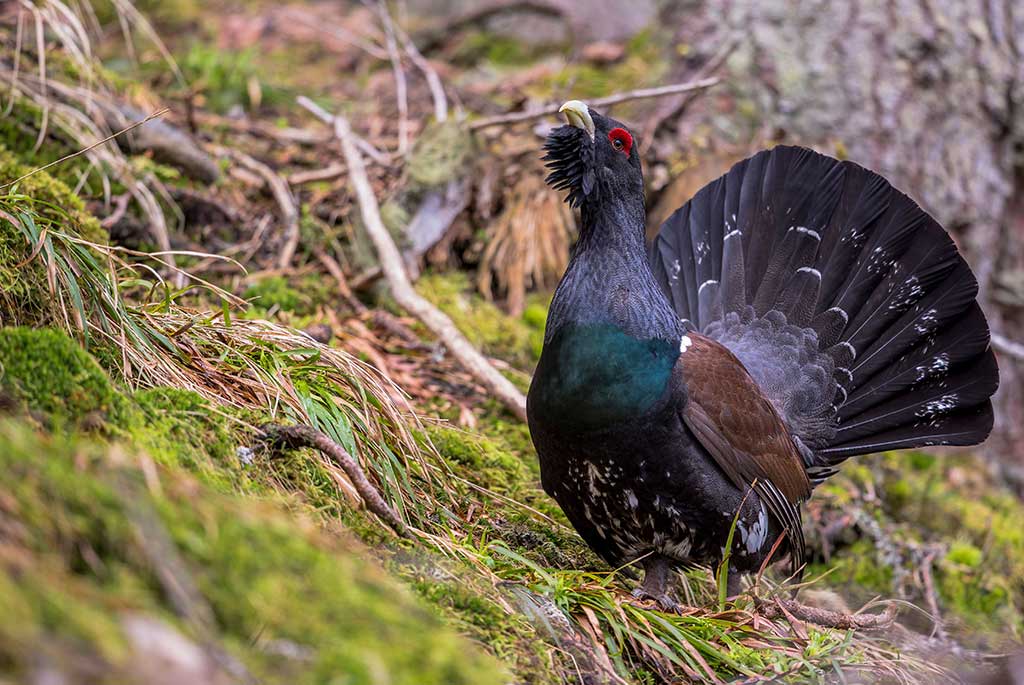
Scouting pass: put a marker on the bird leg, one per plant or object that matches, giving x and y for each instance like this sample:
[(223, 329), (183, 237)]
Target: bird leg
[(657, 570)]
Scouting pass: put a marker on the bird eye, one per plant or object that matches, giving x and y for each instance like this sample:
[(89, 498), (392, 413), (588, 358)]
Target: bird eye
[(621, 140)]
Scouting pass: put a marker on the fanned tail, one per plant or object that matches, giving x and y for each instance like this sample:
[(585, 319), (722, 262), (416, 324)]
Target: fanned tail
[(849, 305)]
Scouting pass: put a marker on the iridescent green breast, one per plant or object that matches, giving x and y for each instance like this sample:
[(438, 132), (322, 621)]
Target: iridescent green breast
[(592, 375)]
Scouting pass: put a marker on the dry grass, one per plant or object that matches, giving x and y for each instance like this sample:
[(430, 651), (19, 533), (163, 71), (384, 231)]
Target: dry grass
[(528, 244), (75, 97)]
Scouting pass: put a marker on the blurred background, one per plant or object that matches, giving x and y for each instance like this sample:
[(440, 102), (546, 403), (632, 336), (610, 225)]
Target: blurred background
[(241, 189)]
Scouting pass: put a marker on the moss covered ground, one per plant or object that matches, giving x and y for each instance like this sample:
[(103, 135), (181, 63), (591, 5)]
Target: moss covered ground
[(135, 513)]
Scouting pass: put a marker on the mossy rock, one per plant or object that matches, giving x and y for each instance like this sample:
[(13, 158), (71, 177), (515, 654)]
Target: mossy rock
[(50, 373), (77, 562)]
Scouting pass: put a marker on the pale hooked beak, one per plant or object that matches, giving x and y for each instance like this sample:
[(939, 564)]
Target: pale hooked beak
[(578, 114)]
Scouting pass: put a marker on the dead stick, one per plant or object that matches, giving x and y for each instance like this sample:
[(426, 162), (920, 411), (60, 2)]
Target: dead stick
[(333, 268), (931, 597), (328, 173), (329, 119), (429, 73), (406, 296), (294, 437), (283, 195), (826, 617), (615, 99), (401, 87)]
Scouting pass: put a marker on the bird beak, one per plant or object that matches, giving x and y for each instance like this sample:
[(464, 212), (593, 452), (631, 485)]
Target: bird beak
[(578, 114)]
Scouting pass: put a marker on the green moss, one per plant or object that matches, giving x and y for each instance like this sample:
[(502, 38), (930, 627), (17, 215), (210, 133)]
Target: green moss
[(226, 79), (964, 553), (440, 154), (51, 197), (469, 610), (644, 64), (950, 503), (50, 373), (267, 577), (480, 460), (180, 428), (517, 341), (275, 292)]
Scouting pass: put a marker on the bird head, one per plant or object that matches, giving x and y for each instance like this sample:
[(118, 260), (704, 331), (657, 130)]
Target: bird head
[(594, 157)]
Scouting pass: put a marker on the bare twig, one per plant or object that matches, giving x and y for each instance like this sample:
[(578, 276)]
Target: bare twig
[(931, 596), (328, 118), (680, 101), (328, 173), (429, 73), (294, 437), (406, 296), (639, 94), (826, 618), (1007, 346), (120, 207), (283, 195), (333, 268), (401, 87)]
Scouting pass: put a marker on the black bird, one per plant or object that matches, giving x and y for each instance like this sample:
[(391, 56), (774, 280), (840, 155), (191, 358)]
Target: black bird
[(796, 312)]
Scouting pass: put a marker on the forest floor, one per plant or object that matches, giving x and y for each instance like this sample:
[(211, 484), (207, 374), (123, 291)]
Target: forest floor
[(152, 529)]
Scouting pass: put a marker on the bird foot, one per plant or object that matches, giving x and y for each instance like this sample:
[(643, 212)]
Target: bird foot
[(664, 601)]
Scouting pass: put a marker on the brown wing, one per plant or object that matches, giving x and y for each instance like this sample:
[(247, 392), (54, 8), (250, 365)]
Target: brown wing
[(743, 432)]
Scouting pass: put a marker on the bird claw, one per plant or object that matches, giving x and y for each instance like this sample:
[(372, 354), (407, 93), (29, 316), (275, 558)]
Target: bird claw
[(665, 602)]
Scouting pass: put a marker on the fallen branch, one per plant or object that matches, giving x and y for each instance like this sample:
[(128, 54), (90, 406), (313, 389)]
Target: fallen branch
[(294, 437), (401, 288), (938, 630), (429, 73), (329, 119), (333, 268), (779, 607), (283, 195), (401, 87), (639, 94), (328, 173)]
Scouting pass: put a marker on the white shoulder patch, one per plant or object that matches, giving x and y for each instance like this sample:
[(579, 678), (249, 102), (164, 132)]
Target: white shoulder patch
[(684, 344)]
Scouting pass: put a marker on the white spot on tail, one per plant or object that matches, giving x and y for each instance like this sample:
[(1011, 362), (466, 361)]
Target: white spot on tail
[(938, 366), (807, 231), (810, 270), (708, 282), (940, 406), (842, 312), (734, 233), (631, 499)]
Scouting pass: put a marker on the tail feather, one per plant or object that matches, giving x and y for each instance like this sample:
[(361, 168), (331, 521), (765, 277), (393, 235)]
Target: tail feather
[(848, 304), (948, 350)]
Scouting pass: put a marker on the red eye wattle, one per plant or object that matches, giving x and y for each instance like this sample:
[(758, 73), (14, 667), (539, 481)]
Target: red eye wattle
[(621, 140)]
